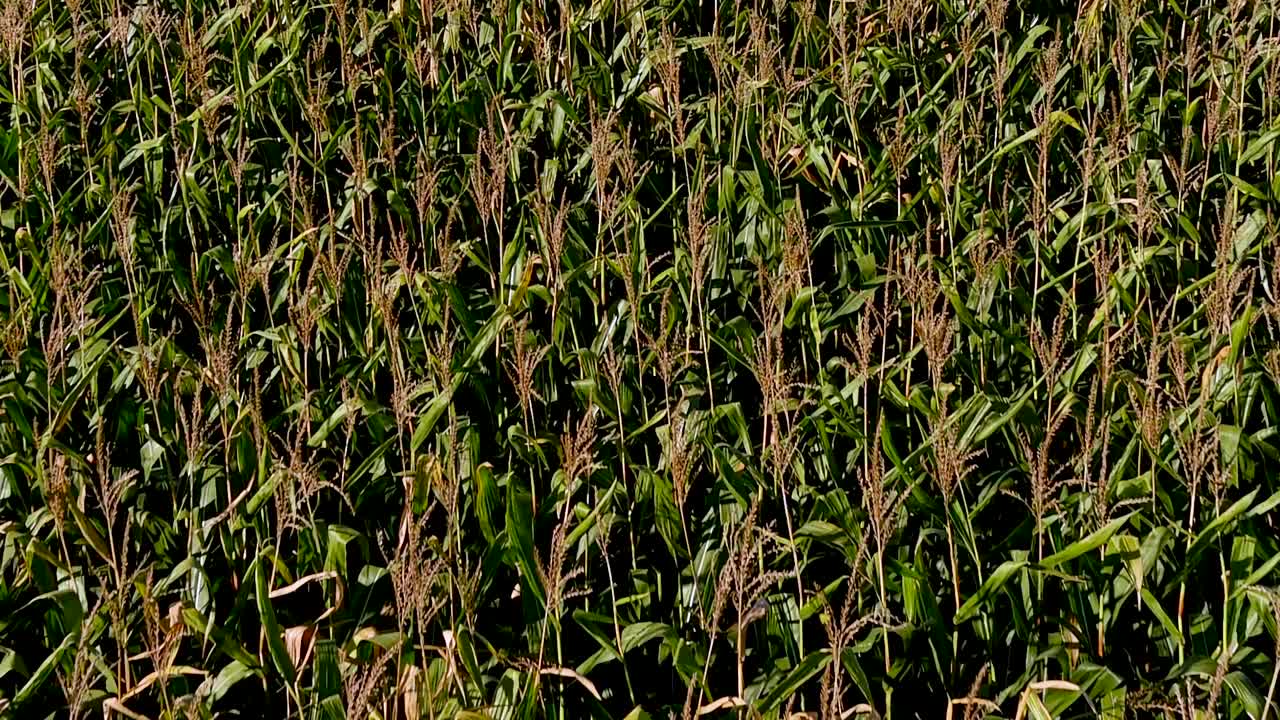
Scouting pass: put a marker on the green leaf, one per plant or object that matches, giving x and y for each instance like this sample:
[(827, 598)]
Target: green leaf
[(793, 680), (326, 678), (1258, 146), (1215, 527), (1245, 692), (335, 559), (977, 432), (331, 708), (637, 634), (91, 534), (819, 601), (486, 501), (975, 603), (1036, 708), (1130, 552), (335, 419), (260, 496), (270, 626), (193, 619), (141, 148), (1247, 188), (467, 651), (520, 541), (43, 672), (232, 673), (1153, 604), (1094, 540)]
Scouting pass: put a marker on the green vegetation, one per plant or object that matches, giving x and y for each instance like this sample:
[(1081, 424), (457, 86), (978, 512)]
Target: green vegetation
[(618, 359)]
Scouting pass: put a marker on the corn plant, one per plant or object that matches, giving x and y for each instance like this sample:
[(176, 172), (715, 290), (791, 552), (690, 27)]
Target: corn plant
[(639, 359)]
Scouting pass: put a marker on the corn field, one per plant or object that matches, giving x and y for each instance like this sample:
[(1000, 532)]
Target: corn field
[(438, 359)]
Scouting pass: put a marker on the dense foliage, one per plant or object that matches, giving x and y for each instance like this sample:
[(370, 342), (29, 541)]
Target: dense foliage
[(767, 358)]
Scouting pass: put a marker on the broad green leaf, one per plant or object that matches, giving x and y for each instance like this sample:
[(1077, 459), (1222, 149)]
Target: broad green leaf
[(193, 619), (231, 673), (270, 626), (487, 501), (519, 533), (326, 679), (1215, 527), (43, 672), (791, 683), (637, 634), (976, 602), (1154, 606), (1094, 540)]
